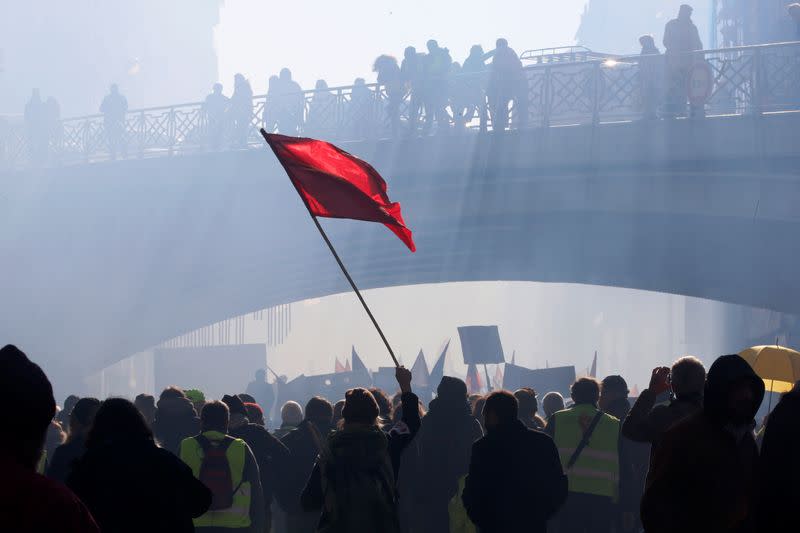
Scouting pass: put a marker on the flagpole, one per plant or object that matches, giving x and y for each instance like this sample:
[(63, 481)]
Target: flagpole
[(341, 265)]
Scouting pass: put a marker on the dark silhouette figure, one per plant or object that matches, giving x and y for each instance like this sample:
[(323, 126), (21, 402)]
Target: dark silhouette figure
[(321, 111), (651, 66), (436, 70), (128, 482), (241, 110), (391, 79), (552, 403), (291, 104), (634, 457), (681, 38), (438, 458), (36, 127), (146, 405), (474, 79), (63, 415), (411, 71), (703, 472), (528, 407), (305, 444), (779, 490), (360, 110), (114, 107), (267, 450), (269, 115), (31, 503), (588, 444), (506, 85), (216, 110), (80, 420), (353, 481), (261, 391), (255, 414), (646, 421), (500, 494), (175, 419)]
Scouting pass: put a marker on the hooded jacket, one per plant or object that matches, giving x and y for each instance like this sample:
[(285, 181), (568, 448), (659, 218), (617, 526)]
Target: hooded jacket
[(175, 420), (702, 475)]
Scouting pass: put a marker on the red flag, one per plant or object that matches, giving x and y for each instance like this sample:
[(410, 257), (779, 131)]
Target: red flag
[(335, 184), (339, 367), (473, 380)]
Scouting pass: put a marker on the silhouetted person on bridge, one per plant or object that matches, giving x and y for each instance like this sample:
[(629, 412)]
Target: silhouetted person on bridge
[(241, 110), (360, 110), (269, 115), (411, 71), (506, 85), (114, 108), (390, 77), (474, 76), (703, 473), (321, 120), (261, 390), (31, 503), (216, 110), (651, 67), (290, 103), (436, 69), (36, 128), (515, 480), (681, 38)]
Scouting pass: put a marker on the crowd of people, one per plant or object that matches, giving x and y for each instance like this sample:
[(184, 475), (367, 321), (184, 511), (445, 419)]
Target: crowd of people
[(684, 457)]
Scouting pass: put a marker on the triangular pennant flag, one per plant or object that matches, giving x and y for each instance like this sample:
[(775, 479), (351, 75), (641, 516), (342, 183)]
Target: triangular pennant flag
[(419, 372), (593, 371), (360, 371), (498, 377), (514, 357), (339, 366), (438, 368), (347, 366), (474, 384)]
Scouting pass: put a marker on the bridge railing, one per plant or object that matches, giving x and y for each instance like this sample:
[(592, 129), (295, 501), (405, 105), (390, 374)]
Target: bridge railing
[(587, 90)]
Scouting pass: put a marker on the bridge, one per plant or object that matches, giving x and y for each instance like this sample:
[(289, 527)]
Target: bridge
[(105, 259)]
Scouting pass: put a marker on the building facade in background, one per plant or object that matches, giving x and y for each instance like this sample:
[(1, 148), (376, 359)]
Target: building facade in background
[(745, 22)]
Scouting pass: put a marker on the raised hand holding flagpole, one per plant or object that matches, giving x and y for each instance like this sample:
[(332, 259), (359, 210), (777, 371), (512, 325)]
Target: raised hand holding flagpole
[(335, 184)]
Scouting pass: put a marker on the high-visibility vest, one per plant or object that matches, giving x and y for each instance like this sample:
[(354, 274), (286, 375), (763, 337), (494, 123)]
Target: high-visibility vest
[(459, 519), (597, 469), (237, 515)]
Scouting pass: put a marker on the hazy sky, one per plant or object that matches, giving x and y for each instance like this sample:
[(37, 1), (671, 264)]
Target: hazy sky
[(338, 41)]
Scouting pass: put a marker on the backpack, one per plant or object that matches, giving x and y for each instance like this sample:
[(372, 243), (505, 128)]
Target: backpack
[(215, 472)]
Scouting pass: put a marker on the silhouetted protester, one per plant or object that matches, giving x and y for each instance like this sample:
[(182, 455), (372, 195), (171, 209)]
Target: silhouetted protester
[(128, 482), (175, 419), (634, 457), (321, 111), (528, 407), (384, 406), (255, 414), (305, 444), (474, 78), (506, 84), (552, 403), (360, 110), (436, 69), (246, 397), (646, 421), (588, 444), (390, 77), (261, 391), (114, 107), (779, 489), (651, 66), (291, 104), (456, 95), (267, 450), (477, 411), (291, 417), (500, 493), (56, 436), (337, 413), (30, 502), (197, 397), (438, 457), (353, 480), (80, 420), (146, 405), (411, 70), (63, 415), (216, 109), (702, 475), (241, 110), (226, 466), (681, 38), (269, 115), (36, 127)]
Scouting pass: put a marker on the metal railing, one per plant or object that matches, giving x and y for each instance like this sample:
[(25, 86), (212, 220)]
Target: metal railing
[(731, 81)]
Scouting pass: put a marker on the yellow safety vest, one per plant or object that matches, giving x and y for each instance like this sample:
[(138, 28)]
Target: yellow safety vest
[(597, 468), (459, 519), (237, 515)]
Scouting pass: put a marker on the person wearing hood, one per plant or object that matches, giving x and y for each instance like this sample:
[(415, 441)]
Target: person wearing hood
[(439, 457), (267, 450), (175, 419), (353, 481), (703, 473), (779, 484), (80, 421)]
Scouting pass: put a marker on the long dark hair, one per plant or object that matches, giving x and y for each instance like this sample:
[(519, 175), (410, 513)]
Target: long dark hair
[(118, 419)]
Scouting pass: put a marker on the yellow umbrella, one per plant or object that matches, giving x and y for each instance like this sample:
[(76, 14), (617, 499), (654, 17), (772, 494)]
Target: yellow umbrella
[(778, 366)]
